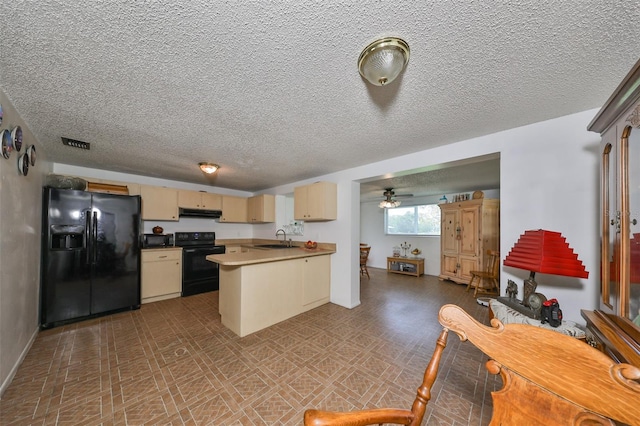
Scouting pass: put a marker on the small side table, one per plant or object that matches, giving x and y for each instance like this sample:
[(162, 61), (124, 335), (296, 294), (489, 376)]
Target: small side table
[(406, 265)]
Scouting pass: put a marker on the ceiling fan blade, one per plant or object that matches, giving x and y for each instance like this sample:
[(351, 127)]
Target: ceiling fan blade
[(390, 193)]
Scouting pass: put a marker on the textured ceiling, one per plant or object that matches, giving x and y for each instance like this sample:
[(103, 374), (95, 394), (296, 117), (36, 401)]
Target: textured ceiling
[(270, 89)]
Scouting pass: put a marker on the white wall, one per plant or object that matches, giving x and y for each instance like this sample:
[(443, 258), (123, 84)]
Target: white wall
[(372, 232), (20, 212)]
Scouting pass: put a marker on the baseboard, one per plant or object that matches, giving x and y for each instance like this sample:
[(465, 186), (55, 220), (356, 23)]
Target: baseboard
[(15, 367)]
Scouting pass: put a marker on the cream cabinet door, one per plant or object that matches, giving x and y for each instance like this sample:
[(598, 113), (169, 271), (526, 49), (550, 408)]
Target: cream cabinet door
[(189, 199), (316, 202), (300, 203), (211, 201), (262, 209), (234, 209), (316, 280), (161, 274), (159, 203)]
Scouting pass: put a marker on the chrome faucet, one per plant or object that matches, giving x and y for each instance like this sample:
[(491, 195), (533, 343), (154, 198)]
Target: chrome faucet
[(284, 235)]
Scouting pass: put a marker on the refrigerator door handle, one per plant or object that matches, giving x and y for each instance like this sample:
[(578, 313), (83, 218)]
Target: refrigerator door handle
[(94, 236), (87, 237)]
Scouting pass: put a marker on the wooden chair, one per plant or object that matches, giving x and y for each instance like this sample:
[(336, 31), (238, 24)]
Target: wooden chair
[(364, 256), (548, 379), (489, 275)]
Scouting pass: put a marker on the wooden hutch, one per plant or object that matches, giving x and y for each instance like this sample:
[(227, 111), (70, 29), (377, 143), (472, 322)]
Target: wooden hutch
[(615, 326)]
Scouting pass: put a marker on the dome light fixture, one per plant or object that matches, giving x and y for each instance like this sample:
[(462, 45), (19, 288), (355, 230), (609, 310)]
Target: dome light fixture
[(209, 168), (389, 202), (383, 60)]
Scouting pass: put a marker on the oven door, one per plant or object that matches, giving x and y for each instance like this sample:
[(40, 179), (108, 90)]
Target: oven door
[(198, 274)]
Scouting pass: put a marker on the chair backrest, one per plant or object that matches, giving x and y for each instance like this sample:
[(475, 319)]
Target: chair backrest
[(364, 254), (492, 266), (548, 379)]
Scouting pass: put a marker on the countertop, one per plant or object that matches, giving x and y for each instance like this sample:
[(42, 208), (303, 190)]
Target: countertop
[(263, 256)]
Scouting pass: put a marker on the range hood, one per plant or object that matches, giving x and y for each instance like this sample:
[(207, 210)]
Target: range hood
[(209, 214)]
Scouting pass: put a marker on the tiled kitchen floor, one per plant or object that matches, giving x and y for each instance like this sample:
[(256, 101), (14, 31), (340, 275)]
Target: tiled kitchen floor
[(172, 362)]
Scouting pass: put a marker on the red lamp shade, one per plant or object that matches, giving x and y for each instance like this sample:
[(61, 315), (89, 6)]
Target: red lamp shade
[(546, 252)]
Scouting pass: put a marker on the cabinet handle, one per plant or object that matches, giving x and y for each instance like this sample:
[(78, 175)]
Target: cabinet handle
[(162, 257)]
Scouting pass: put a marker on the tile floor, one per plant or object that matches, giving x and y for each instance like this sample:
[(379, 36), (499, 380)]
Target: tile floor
[(172, 362)]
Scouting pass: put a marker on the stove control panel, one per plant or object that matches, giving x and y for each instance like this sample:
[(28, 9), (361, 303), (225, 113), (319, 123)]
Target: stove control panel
[(195, 238)]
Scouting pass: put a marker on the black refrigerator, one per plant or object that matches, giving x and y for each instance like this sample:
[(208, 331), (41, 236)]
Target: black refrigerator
[(90, 255)]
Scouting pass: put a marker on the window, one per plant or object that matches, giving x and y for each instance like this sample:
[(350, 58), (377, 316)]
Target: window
[(413, 220)]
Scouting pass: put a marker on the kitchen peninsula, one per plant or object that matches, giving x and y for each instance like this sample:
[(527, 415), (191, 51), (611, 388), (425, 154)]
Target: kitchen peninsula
[(260, 287)]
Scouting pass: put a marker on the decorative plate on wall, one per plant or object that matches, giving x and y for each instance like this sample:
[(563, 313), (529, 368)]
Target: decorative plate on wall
[(16, 138), (6, 143), (23, 164), (31, 153)]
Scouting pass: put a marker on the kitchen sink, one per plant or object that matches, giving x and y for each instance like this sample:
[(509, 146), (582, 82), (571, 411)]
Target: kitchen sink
[(271, 246)]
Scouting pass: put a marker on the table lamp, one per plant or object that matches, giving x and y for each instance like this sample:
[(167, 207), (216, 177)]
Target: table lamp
[(541, 251)]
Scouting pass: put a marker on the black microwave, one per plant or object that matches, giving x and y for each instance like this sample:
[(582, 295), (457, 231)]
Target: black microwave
[(157, 240)]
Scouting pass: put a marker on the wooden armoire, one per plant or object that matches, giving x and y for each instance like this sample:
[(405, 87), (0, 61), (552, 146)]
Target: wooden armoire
[(467, 230)]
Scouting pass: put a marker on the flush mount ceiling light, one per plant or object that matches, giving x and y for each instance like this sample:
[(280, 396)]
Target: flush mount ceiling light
[(209, 168), (389, 203), (383, 60)]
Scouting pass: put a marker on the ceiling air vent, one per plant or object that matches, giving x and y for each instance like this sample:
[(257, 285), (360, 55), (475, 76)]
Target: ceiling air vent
[(76, 144)]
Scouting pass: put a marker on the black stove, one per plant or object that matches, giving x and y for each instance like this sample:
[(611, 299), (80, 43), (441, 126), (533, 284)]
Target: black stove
[(198, 274)]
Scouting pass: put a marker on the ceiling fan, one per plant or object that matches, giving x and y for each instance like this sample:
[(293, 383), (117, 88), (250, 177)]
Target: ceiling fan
[(390, 202)]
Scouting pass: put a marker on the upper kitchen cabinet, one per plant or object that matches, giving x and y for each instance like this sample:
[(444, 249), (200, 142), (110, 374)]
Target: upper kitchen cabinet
[(234, 209), (159, 203), (199, 200), (262, 208), (315, 202), (101, 185)]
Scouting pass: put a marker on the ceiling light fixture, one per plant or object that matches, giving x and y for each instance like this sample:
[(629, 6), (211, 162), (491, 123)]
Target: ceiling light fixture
[(209, 168), (389, 203), (383, 60)]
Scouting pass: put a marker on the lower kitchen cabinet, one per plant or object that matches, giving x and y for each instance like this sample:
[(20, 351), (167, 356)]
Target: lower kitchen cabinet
[(257, 295), (161, 274), (316, 279)]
